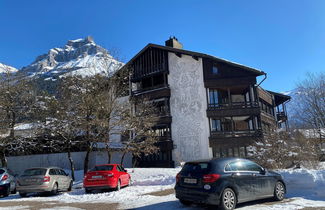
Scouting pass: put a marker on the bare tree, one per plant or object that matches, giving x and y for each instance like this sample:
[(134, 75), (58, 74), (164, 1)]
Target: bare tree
[(17, 98), (138, 125), (280, 149), (309, 102)]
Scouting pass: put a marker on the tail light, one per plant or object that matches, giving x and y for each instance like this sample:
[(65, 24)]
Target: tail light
[(209, 178), (178, 177), (109, 175), (47, 179), (5, 177)]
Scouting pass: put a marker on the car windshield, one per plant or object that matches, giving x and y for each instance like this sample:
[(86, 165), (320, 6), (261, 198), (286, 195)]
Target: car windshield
[(102, 168), (34, 172), (2, 171), (196, 168)]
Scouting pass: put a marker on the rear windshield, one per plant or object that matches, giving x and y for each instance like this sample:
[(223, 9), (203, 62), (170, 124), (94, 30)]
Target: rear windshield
[(198, 168), (102, 168), (34, 172), (2, 171)]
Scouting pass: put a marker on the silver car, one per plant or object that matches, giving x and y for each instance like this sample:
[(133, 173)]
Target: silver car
[(38, 180), (7, 182)]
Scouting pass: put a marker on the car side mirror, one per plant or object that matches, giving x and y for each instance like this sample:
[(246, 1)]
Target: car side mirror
[(262, 171)]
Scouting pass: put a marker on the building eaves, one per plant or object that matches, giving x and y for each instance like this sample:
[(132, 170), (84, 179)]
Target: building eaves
[(196, 54)]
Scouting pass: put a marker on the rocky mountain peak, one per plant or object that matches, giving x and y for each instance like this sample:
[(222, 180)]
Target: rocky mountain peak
[(7, 69), (78, 57)]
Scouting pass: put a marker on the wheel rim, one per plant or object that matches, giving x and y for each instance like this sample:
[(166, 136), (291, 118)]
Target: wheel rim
[(229, 199), (279, 190)]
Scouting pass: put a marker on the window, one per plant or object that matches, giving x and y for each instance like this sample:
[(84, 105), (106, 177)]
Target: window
[(215, 125), (251, 166), (215, 70), (53, 172), (213, 96), (102, 168)]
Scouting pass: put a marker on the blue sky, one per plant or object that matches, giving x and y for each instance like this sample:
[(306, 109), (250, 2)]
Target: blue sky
[(286, 39)]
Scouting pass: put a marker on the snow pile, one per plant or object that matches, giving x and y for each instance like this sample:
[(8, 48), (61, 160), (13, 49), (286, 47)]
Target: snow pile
[(309, 184), (153, 176)]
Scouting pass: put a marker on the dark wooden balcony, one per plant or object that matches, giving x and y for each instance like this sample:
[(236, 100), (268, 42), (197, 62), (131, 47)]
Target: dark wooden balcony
[(153, 92), (234, 138), (281, 117), (233, 109)]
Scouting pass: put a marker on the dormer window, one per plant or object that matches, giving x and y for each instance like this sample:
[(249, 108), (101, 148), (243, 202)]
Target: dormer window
[(215, 70)]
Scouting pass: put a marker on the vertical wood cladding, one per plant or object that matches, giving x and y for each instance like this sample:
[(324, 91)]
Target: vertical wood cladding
[(227, 75), (150, 62)]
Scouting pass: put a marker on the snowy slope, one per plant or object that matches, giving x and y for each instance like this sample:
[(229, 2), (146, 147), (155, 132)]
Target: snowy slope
[(5, 69), (78, 57), (305, 189)]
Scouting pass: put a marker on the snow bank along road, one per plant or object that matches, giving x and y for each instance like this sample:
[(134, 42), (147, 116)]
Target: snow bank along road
[(152, 189)]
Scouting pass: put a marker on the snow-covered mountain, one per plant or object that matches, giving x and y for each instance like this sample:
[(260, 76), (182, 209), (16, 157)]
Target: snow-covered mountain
[(78, 57), (5, 69)]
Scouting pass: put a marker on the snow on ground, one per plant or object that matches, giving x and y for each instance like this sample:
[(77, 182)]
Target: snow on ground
[(306, 188)]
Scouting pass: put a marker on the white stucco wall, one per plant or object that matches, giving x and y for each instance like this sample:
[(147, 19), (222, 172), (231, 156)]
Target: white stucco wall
[(188, 105)]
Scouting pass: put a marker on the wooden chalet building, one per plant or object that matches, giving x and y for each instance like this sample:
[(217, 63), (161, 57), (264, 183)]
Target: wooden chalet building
[(209, 107)]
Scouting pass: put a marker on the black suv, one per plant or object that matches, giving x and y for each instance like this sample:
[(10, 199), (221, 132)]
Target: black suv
[(226, 182)]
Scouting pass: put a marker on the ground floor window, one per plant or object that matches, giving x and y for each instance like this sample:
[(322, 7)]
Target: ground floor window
[(230, 152)]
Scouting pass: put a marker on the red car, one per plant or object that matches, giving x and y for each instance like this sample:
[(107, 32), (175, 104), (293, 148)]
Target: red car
[(108, 176)]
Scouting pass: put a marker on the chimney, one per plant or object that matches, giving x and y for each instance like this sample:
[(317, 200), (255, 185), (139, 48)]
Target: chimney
[(173, 42)]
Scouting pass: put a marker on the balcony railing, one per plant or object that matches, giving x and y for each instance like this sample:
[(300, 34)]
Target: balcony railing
[(281, 116), (153, 88), (242, 133), (233, 105)]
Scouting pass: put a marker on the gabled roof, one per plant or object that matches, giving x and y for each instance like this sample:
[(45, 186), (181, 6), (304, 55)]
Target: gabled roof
[(197, 54)]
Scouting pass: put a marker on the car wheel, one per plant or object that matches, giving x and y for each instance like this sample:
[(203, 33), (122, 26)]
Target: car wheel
[(228, 199), (70, 186), (23, 194), (118, 187), (14, 191), (279, 191), (54, 190), (7, 193), (185, 203), (87, 191)]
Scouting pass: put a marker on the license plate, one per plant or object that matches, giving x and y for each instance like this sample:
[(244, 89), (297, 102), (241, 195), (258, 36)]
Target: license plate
[(190, 181), (96, 177)]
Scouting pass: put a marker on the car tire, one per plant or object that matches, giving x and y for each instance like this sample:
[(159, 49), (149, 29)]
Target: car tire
[(185, 202), (7, 193), (87, 191), (14, 191), (23, 195), (118, 186), (70, 187), (228, 200), (279, 191), (55, 189)]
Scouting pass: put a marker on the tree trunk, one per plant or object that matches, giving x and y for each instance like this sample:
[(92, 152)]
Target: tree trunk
[(86, 163), (12, 125), (3, 158), (134, 162), (109, 157), (122, 158), (71, 165)]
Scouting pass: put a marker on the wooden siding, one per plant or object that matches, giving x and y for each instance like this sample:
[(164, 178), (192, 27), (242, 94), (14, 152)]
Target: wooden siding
[(150, 62), (267, 97)]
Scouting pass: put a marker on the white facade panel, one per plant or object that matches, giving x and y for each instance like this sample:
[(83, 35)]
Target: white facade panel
[(188, 105)]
